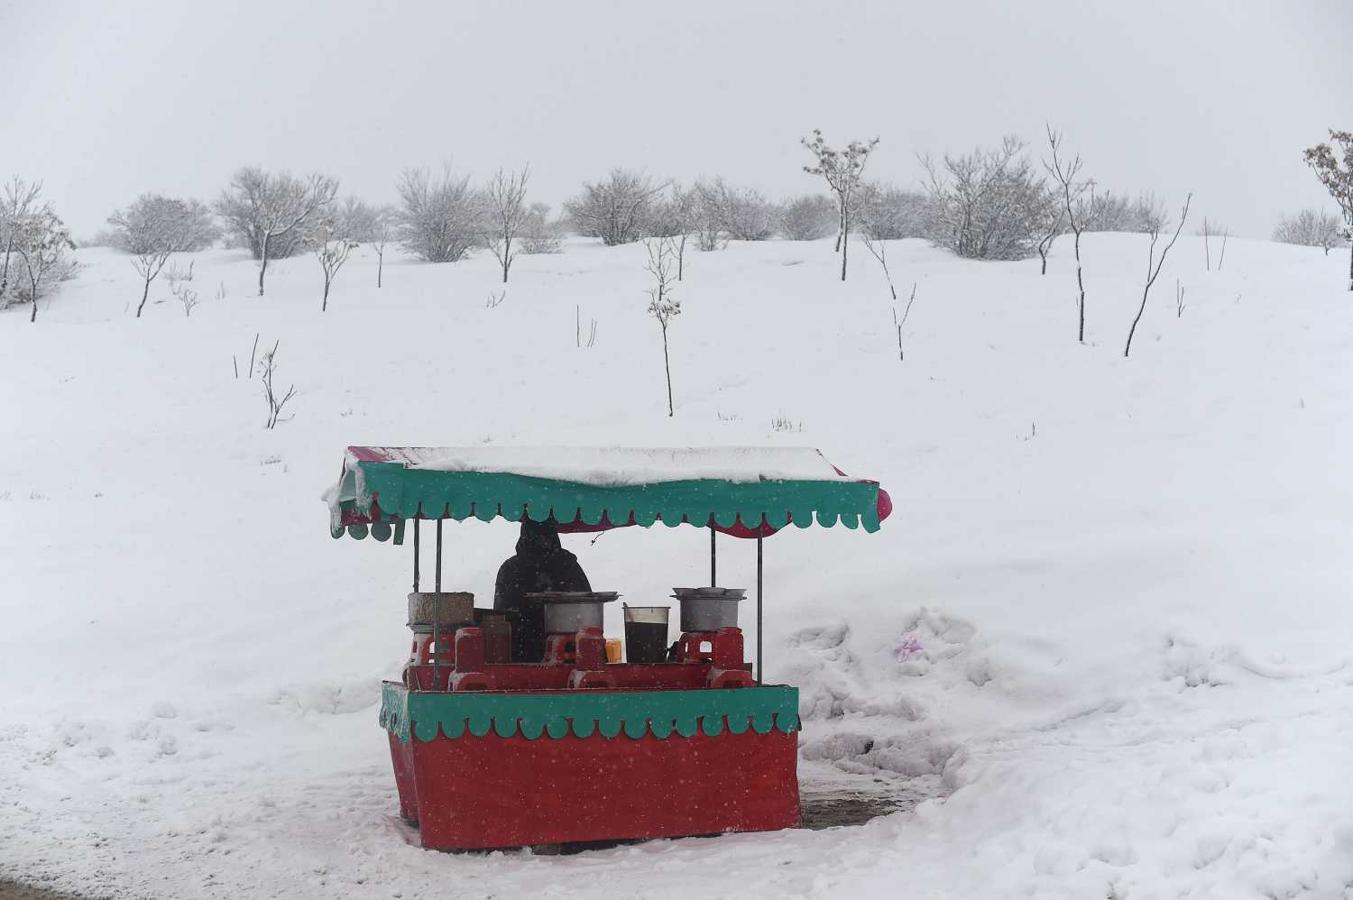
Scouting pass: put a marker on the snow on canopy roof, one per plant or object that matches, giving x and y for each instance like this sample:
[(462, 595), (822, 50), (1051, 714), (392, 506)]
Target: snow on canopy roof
[(743, 490), (617, 465)]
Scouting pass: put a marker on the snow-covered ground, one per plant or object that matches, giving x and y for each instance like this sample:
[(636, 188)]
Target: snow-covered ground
[(1105, 633)]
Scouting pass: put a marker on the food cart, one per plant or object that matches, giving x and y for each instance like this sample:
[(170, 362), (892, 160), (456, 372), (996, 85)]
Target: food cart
[(492, 752)]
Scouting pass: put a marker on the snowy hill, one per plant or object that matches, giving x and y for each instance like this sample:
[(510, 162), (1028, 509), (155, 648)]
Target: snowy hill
[(1101, 646)]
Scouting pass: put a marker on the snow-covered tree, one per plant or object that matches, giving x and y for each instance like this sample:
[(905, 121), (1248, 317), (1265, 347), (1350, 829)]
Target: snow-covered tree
[(986, 204), (1106, 211), (41, 243), (1337, 179), (440, 220), (709, 214), (748, 215), (807, 218), (662, 267), (888, 213), (843, 170), (272, 214), (505, 214), (540, 233), (153, 228), (618, 210), (1310, 228), (19, 198), (332, 250)]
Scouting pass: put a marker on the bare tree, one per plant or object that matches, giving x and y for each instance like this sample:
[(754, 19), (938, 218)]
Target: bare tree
[(266, 208), (506, 214), (1337, 179), (1067, 173), (1154, 265), (807, 218), (1051, 223), (333, 245), (986, 204), (899, 322), (439, 220), (154, 228), (618, 210), (1310, 228), (268, 367), (879, 250), (842, 170), (20, 197), (661, 265)]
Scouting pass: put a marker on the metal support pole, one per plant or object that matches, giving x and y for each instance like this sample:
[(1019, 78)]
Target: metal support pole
[(415, 554), (713, 558), (759, 670), (437, 614)]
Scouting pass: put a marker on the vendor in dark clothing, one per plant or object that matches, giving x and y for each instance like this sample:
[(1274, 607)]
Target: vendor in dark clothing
[(540, 564)]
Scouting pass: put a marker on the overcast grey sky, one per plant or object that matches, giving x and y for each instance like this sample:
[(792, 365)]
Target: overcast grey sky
[(106, 100)]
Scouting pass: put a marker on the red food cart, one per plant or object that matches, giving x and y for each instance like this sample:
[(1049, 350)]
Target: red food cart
[(493, 752)]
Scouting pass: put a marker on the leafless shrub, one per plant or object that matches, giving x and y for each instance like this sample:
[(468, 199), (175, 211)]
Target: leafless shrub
[(583, 335), (276, 403), (748, 216), (1209, 230), (1153, 267), (1310, 228), (618, 210), (843, 170), (272, 214), (439, 220), (495, 299), (708, 215), (807, 218), (1178, 299), (986, 204), (887, 213)]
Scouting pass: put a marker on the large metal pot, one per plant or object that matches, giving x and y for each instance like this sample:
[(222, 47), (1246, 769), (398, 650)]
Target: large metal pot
[(570, 611), (446, 611), (708, 608)]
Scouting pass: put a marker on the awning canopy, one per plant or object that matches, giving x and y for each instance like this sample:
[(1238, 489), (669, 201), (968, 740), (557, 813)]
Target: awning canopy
[(745, 491)]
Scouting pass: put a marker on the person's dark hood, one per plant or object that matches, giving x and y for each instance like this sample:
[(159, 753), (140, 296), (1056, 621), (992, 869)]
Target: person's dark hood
[(538, 540)]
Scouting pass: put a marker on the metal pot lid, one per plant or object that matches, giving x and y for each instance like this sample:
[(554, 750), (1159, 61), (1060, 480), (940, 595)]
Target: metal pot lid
[(709, 593), (573, 596)]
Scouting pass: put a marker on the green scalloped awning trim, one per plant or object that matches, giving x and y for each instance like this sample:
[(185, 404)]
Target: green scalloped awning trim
[(586, 713), (404, 493)]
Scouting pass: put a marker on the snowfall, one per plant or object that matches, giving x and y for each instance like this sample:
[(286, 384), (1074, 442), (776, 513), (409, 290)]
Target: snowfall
[(1101, 649)]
